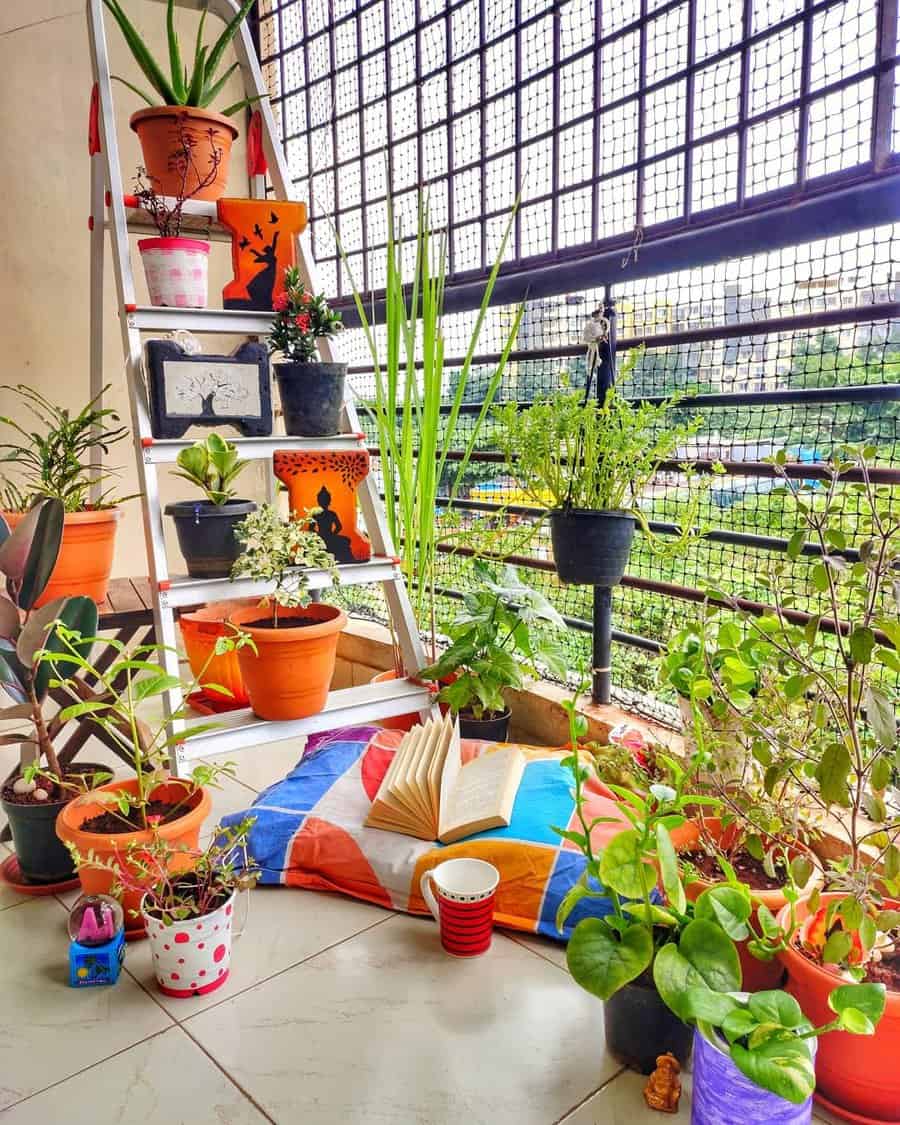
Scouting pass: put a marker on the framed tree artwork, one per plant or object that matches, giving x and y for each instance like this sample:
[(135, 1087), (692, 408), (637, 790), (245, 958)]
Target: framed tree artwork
[(208, 390)]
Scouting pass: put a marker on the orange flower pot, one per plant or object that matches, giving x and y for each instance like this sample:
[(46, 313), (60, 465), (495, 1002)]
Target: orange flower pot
[(185, 830), (85, 554), (200, 630), (856, 1075), (158, 130), (757, 975), (289, 675)]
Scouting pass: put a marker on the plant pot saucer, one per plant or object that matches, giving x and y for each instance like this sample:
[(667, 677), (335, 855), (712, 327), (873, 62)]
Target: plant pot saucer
[(848, 1115), (11, 874), (207, 704)]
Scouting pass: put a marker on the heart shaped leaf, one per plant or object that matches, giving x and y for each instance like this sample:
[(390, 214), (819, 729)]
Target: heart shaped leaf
[(602, 961)]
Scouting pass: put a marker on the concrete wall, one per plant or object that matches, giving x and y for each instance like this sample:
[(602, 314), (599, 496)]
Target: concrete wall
[(45, 83)]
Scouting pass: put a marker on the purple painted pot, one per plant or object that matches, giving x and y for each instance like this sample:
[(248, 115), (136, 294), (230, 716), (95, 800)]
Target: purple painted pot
[(721, 1095)]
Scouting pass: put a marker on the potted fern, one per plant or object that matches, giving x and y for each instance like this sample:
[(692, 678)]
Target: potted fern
[(185, 96), (205, 528)]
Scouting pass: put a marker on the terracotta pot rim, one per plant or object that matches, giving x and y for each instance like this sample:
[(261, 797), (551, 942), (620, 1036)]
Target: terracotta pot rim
[(68, 828), (88, 515), (218, 612), (334, 622), (793, 957), (182, 111)]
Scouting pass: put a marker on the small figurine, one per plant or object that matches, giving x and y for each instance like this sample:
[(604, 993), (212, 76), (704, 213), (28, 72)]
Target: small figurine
[(663, 1089), (97, 941)]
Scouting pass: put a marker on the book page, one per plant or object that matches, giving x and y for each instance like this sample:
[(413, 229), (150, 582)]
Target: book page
[(482, 794), (388, 810), (448, 741), (404, 785)]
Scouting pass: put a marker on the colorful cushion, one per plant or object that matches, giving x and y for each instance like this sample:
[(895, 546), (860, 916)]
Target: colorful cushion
[(309, 832)]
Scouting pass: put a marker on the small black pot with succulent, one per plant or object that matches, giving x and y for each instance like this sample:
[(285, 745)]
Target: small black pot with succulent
[(495, 642), (205, 528), (312, 393)]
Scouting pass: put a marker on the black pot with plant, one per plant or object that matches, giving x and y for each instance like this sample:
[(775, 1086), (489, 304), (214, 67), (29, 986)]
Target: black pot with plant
[(312, 393), (205, 528), (495, 641)]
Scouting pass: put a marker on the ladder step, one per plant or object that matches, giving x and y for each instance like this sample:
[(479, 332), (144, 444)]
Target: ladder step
[(164, 451), (235, 321), (198, 217), (194, 591), (365, 703)]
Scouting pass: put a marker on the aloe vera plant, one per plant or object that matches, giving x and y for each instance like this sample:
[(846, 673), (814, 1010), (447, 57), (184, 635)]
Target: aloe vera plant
[(197, 87)]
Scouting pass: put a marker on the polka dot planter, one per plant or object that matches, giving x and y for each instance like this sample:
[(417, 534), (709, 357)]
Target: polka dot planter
[(177, 271), (192, 957)]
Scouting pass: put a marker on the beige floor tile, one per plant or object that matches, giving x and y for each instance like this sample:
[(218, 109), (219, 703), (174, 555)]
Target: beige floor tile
[(284, 927), (553, 951), (8, 897), (162, 1081), (50, 1031), (387, 1029), (621, 1102)]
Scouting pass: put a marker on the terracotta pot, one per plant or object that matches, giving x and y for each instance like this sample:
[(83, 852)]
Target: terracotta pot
[(757, 975), (289, 675), (409, 720), (185, 830), (192, 958), (200, 630), (855, 1074), (158, 131), (177, 271), (85, 554)]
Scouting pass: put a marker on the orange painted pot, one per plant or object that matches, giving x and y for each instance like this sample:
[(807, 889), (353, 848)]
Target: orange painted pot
[(289, 675), (200, 630), (85, 554), (856, 1075), (185, 830), (158, 129), (409, 720)]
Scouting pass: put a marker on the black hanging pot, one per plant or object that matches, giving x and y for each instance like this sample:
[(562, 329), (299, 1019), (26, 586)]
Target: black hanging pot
[(491, 728), (639, 1027), (206, 536), (312, 395), (591, 548)]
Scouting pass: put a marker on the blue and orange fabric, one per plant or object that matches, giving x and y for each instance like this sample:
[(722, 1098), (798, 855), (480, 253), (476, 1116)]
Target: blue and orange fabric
[(310, 832)]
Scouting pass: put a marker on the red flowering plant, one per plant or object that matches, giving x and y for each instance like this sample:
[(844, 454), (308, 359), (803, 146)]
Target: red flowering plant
[(301, 319)]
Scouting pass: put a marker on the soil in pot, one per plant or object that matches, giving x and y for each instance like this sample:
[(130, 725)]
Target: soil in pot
[(591, 548), (747, 868), (493, 727), (886, 972), (108, 823), (206, 536), (639, 1027), (312, 395)]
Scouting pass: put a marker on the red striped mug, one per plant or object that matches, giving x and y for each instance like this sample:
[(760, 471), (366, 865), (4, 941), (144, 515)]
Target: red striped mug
[(462, 903)]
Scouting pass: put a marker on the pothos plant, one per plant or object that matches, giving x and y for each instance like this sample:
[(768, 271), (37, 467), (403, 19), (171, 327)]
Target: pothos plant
[(495, 641), (300, 320), (279, 551)]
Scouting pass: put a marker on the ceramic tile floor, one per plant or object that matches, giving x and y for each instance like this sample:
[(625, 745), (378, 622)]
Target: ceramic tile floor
[(336, 1013)]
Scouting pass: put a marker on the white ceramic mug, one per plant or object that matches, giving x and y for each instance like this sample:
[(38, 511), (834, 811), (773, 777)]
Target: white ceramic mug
[(462, 903)]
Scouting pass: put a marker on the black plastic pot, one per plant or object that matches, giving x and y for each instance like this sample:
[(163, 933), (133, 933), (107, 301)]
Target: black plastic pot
[(639, 1027), (311, 397), (493, 729), (591, 548), (206, 534)]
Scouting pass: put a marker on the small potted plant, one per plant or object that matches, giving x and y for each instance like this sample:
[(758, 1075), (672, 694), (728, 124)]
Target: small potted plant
[(288, 672), (593, 460), (205, 528), (102, 823), (312, 393), (32, 797), (55, 461), (187, 899), (184, 96), (492, 645)]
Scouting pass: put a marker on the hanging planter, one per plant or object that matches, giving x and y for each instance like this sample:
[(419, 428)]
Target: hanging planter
[(591, 548), (177, 271)]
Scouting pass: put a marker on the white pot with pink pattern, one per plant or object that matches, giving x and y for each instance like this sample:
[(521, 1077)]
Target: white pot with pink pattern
[(192, 957), (177, 271)]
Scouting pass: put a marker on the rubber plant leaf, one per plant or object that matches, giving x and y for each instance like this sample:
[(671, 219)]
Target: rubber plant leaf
[(9, 619), (35, 629), (29, 555), (78, 614), (12, 676)]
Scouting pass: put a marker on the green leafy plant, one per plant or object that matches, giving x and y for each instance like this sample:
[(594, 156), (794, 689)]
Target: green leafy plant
[(767, 1036), (55, 460), (113, 698), (198, 87), (281, 550), (300, 319), (211, 465), (414, 438), (493, 644), (174, 882), (27, 558)]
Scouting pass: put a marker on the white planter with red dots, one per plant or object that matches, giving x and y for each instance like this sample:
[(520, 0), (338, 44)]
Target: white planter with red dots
[(192, 958)]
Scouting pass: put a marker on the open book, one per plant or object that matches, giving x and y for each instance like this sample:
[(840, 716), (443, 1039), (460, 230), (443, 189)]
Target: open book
[(428, 793)]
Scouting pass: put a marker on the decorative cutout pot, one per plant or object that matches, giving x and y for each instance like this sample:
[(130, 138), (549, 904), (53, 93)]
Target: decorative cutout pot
[(591, 548), (193, 957), (327, 480), (159, 131), (177, 271)]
